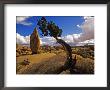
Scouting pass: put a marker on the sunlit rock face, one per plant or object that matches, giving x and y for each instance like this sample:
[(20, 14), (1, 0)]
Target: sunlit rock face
[(35, 42)]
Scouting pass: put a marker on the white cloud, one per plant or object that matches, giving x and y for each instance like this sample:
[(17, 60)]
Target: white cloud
[(78, 26), (89, 42), (75, 40), (88, 29), (51, 41), (25, 23), (21, 39), (48, 40), (26, 40), (68, 38), (22, 20)]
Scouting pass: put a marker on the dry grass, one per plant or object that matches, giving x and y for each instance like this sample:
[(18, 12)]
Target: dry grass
[(84, 65), (51, 61), (35, 58), (52, 64)]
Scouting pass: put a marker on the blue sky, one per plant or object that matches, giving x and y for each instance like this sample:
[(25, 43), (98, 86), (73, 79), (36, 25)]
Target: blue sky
[(67, 23), (76, 29)]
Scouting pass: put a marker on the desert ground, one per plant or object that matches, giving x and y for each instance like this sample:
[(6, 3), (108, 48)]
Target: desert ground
[(50, 60)]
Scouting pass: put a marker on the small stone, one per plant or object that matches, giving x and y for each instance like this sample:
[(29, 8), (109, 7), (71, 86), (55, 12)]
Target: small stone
[(65, 72)]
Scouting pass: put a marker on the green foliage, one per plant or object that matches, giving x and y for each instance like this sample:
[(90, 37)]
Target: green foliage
[(49, 28), (42, 23)]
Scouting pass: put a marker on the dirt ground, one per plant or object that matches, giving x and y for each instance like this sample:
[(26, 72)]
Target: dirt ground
[(50, 63), (35, 58)]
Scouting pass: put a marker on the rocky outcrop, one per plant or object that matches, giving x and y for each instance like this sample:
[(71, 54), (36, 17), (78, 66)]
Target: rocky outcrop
[(22, 50), (34, 42)]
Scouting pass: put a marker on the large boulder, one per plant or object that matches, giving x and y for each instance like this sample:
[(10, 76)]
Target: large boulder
[(34, 42)]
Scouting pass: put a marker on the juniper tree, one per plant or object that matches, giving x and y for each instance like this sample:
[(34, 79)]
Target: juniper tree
[(51, 29)]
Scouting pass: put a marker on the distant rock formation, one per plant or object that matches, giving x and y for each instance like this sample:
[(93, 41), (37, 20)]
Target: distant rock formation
[(34, 42), (22, 50)]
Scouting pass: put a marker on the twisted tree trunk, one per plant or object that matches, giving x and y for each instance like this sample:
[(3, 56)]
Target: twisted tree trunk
[(70, 63)]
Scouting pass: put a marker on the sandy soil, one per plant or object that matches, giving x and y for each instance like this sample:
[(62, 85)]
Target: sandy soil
[(36, 58)]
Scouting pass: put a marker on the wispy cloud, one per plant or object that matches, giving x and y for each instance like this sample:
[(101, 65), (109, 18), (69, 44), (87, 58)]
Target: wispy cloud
[(22, 20)]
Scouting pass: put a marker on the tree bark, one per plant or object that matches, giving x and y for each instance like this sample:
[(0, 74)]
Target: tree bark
[(70, 63)]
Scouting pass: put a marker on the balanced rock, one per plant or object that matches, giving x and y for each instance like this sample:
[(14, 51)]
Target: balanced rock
[(34, 42)]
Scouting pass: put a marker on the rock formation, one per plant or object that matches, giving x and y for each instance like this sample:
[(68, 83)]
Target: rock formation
[(22, 50), (34, 42)]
